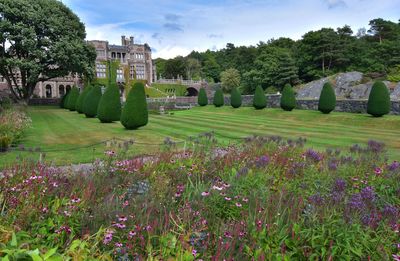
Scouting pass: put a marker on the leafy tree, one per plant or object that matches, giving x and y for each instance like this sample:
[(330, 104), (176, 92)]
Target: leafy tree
[(259, 100), (135, 113), (109, 108), (218, 98), (64, 100), (81, 98), (73, 98), (193, 68), (41, 40), (230, 79), (327, 99), (381, 29), (175, 68), (379, 100), (202, 99), (91, 102), (288, 98), (274, 67), (236, 98), (394, 74), (211, 69)]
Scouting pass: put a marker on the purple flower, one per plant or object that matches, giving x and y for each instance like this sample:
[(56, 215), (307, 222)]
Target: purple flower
[(356, 202), (368, 194), (262, 161), (317, 199), (339, 185), (313, 155), (375, 146), (394, 166)]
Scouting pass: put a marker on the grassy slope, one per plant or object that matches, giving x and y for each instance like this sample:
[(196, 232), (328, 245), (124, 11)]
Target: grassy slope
[(57, 129)]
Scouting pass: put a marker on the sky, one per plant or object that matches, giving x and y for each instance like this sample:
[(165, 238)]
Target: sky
[(176, 27)]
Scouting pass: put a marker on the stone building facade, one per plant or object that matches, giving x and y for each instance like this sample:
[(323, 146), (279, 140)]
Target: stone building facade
[(136, 58)]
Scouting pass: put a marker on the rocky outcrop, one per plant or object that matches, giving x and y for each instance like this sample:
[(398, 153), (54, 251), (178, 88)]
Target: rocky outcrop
[(347, 86)]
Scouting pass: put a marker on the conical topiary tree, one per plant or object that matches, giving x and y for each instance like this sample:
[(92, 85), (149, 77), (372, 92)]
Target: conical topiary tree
[(81, 98), (218, 98), (64, 100), (72, 99), (379, 100), (91, 102), (288, 99), (134, 113), (236, 98), (202, 99), (259, 100), (327, 99), (109, 109)]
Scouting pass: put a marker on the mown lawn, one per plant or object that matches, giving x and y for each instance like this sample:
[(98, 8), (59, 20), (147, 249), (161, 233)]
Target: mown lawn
[(65, 135)]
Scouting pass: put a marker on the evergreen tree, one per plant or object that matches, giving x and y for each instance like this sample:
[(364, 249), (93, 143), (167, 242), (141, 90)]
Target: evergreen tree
[(288, 99), (259, 100), (73, 98), (236, 98), (91, 102), (202, 99), (64, 100), (218, 98), (379, 100), (81, 98), (327, 99), (135, 113), (109, 109)]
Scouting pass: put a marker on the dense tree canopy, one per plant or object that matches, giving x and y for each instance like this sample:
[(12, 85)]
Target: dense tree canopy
[(40, 40), (281, 61), (230, 79)]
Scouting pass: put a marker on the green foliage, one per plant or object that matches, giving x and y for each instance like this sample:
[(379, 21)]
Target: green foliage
[(288, 98), (135, 113), (218, 100), (236, 98), (394, 74), (73, 98), (109, 108), (163, 90), (64, 100), (81, 98), (259, 100), (230, 79), (379, 100), (91, 102), (327, 99), (51, 42), (202, 99)]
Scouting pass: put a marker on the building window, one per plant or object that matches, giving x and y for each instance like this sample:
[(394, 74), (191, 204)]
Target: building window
[(140, 72), (101, 70), (61, 90), (48, 91), (120, 75)]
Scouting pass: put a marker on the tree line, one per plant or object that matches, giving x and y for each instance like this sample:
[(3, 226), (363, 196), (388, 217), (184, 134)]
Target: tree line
[(272, 64)]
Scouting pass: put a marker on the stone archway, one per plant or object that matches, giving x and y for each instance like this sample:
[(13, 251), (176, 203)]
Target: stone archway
[(61, 90), (192, 92), (68, 88), (49, 91)]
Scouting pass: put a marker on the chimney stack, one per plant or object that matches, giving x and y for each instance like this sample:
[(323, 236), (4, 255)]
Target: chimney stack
[(132, 39), (123, 40)]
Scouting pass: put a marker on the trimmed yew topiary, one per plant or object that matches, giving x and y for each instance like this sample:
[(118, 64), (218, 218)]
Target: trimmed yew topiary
[(202, 99), (236, 98), (109, 109), (91, 102), (288, 99), (379, 100), (218, 98), (259, 100), (135, 114), (73, 98), (64, 100), (327, 99), (81, 98)]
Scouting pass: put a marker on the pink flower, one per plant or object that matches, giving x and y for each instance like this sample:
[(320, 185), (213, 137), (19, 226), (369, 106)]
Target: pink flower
[(217, 188), (205, 193), (378, 171), (122, 218), (75, 200), (118, 244), (228, 198), (110, 153), (126, 203), (194, 252), (245, 199), (45, 210), (178, 195), (238, 205), (119, 225), (132, 233), (396, 257), (66, 213)]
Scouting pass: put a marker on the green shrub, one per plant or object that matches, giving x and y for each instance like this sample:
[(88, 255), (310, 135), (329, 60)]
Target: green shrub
[(135, 113), (91, 102), (109, 109), (64, 100), (202, 99), (259, 100), (327, 99), (379, 100), (288, 99), (73, 98), (236, 98), (81, 98), (218, 98)]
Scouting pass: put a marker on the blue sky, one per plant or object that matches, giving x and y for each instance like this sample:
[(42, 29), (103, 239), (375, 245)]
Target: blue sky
[(176, 27)]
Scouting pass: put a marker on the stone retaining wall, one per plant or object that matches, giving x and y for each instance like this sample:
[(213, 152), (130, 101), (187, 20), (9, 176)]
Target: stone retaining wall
[(44, 101)]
